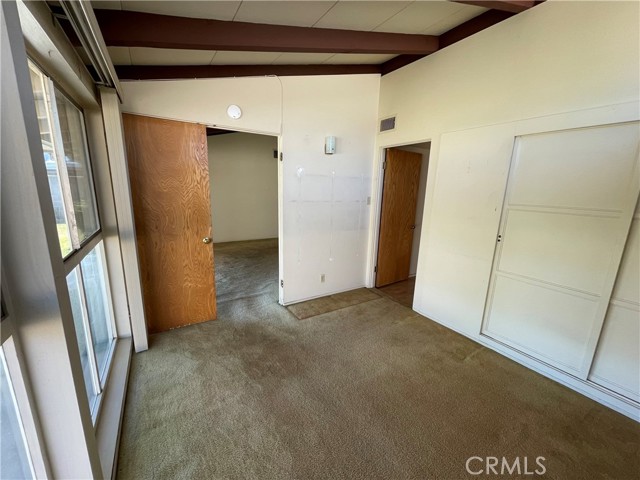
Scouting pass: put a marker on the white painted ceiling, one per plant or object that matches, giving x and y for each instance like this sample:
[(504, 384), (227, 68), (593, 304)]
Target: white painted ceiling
[(428, 17)]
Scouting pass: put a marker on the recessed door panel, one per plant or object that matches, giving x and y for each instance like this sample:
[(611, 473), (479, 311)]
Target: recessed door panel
[(617, 361), (628, 282), (587, 168), (568, 250), (543, 321)]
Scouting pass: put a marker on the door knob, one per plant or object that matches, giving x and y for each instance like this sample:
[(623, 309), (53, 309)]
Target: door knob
[(206, 240), (412, 227)]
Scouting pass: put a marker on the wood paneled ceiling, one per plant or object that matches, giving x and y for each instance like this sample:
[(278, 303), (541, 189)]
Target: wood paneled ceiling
[(205, 39)]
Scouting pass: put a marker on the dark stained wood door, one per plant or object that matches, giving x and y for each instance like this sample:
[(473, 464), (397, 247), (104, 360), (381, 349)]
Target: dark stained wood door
[(169, 173), (397, 218)]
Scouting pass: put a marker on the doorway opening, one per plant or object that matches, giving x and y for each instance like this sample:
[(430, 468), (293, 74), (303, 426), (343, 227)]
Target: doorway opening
[(404, 181), (243, 170)]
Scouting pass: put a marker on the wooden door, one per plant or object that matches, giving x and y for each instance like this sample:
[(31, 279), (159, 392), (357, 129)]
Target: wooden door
[(397, 218), (169, 172)]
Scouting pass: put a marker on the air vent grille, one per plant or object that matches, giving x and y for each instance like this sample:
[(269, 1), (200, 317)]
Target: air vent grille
[(387, 124)]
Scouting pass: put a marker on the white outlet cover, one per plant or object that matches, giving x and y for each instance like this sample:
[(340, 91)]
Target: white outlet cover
[(234, 112)]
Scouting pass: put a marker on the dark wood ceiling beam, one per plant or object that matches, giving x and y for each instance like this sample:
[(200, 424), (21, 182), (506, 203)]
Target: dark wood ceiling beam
[(512, 6), (462, 31), (135, 29), (154, 72), (473, 26), (398, 62)]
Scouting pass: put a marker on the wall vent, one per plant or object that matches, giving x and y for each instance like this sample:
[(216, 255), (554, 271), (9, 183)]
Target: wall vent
[(387, 124)]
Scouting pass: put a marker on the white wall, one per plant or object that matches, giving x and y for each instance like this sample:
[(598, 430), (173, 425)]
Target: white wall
[(325, 216), (472, 98), (244, 186), (559, 56), (206, 101), (528, 66)]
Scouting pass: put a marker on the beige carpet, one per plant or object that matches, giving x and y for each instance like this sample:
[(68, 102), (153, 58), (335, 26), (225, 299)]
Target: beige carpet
[(246, 269), (318, 306), (370, 391)]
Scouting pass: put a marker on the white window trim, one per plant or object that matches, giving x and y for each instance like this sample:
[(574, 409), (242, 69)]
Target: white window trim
[(22, 392)]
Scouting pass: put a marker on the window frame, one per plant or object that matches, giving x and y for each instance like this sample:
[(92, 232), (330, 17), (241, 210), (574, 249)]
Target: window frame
[(11, 356), (51, 88), (72, 261)]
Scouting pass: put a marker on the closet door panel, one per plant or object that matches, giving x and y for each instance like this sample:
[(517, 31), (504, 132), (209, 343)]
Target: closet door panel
[(566, 216), (542, 321), (628, 282), (577, 169), (567, 250), (617, 361)]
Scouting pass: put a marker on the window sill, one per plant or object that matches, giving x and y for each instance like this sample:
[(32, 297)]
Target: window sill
[(112, 409)]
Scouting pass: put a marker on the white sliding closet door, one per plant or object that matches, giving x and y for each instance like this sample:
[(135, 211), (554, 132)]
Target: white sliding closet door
[(566, 216), (617, 362)]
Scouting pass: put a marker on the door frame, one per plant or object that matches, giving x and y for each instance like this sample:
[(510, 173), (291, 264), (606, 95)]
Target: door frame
[(376, 203), (280, 202)]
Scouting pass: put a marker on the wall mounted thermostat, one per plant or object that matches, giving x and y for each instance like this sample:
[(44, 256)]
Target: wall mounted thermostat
[(329, 145), (234, 111)]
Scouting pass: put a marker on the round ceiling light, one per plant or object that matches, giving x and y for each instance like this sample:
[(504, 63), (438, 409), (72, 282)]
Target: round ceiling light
[(234, 111)]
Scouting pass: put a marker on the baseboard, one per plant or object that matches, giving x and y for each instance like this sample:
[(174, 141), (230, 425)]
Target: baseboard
[(591, 390)]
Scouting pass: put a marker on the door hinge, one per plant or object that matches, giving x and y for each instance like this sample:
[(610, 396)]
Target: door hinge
[(281, 156), (282, 283), (375, 269), (384, 165)]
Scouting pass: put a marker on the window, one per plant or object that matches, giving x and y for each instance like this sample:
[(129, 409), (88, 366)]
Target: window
[(15, 461), (66, 157), (20, 454)]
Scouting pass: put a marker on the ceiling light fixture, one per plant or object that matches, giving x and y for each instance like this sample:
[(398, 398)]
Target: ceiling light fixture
[(234, 112)]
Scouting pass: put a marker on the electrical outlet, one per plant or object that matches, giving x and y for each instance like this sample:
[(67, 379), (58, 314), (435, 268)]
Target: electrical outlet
[(322, 278)]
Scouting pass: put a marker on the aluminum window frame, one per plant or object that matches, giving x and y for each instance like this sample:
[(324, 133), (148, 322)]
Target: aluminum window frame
[(72, 261)]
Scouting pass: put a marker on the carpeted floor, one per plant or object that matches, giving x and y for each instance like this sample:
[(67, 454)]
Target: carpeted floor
[(246, 269), (369, 391)]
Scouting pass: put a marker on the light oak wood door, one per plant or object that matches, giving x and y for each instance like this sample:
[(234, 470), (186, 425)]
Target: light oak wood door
[(397, 218), (169, 172)]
